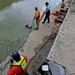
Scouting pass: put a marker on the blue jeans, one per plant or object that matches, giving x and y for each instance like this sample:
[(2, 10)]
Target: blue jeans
[(27, 73)]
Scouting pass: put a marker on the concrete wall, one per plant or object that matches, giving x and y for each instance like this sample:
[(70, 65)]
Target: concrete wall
[(63, 49)]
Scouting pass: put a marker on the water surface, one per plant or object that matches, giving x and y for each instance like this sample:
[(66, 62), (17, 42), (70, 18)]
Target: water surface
[(14, 15)]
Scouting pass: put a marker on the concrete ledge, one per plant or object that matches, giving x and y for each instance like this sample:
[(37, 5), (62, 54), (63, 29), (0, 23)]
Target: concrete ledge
[(34, 41), (63, 49)]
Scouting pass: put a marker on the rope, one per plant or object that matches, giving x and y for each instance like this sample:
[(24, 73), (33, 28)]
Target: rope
[(47, 39), (52, 31), (21, 45), (40, 47), (38, 50), (42, 16)]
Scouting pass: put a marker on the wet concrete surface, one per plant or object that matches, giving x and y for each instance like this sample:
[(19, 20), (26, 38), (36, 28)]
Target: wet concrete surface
[(41, 55), (37, 49)]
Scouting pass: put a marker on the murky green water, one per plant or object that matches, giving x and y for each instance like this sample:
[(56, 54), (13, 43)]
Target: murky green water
[(14, 15)]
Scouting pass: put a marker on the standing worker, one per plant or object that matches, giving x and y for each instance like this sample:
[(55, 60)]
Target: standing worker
[(20, 65), (62, 5), (47, 13), (37, 17)]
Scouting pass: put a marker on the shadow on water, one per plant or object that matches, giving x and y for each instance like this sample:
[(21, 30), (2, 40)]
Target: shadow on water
[(14, 15)]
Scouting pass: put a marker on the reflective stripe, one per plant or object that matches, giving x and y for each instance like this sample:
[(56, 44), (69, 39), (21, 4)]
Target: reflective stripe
[(22, 63)]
